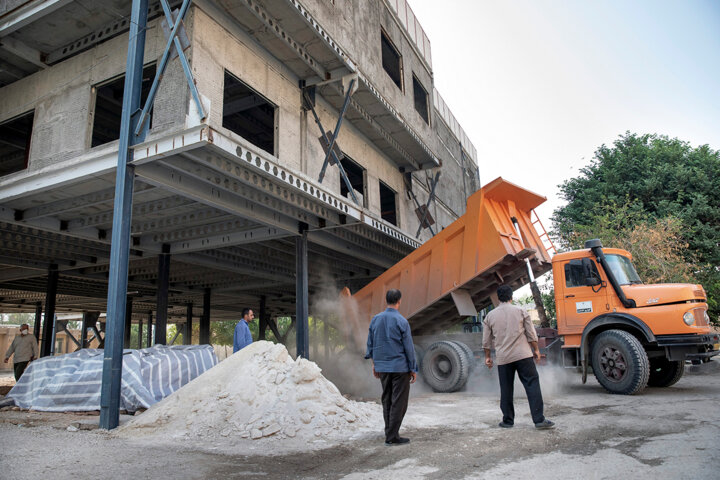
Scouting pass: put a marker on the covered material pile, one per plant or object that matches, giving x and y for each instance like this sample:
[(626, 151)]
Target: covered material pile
[(259, 393), (71, 382)]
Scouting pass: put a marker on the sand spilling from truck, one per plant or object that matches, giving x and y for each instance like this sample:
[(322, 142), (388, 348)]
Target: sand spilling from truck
[(259, 398)]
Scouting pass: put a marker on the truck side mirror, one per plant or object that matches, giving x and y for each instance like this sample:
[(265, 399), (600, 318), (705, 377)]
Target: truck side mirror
[(591, 278)]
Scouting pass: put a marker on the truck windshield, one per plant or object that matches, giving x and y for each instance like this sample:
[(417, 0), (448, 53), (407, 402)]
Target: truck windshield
[(623, 269)]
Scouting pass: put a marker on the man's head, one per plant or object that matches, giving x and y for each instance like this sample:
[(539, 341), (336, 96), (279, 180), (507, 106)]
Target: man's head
[(504, 293), (24, 329), (248, 314), (392, 297)]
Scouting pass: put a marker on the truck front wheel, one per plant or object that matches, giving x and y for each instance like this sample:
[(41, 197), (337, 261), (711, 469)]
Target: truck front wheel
[(664, 372), (619, 362)]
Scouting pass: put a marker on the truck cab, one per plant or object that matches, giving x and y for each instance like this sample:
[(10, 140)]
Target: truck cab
[(631, 334)]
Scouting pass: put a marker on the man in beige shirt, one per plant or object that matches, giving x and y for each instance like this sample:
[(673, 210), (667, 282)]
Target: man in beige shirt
[(25, 348), (511, 331)]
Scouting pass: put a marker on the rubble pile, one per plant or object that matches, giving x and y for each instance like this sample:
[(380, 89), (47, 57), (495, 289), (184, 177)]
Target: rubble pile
[(262, 394)]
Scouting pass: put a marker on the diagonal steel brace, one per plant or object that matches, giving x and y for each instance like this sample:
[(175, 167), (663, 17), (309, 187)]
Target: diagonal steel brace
[(330, 151), (172, 40), (417, 203), (431, 197)]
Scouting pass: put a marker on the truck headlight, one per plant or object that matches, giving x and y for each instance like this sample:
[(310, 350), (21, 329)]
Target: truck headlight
[(689, 318)]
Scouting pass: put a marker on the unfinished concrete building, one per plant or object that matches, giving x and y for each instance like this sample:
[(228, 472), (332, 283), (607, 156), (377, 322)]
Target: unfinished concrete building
[(316, 119)]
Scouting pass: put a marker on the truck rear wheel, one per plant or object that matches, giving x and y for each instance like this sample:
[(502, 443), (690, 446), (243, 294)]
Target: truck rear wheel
[(619, 362), (664, 372), (468, 353), (445, 367)]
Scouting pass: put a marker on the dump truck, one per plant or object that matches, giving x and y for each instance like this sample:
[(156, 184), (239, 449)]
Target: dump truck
[(629, 334)]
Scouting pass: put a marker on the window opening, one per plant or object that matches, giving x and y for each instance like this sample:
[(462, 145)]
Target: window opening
[(356, 175), (248, 114), (421, 100), (15, 137), (391, 60), (575, 274), (388, 210), (108, 106)]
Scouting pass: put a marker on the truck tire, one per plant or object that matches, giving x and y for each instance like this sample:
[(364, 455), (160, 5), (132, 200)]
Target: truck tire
[(664, 372), (619, 362), (469, 354), (445, 367)]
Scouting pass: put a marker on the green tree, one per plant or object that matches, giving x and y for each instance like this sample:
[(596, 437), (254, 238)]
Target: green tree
[(650, 183)]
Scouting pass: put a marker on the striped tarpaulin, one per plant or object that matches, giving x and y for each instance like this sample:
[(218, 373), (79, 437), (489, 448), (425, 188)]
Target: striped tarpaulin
[(72, 382)]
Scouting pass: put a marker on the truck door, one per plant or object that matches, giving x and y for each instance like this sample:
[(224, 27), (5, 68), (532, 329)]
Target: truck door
[(584, 294)]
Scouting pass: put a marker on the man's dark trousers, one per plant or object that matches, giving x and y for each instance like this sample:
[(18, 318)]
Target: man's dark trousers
[(396, 390), (19, 368), (529, 377)]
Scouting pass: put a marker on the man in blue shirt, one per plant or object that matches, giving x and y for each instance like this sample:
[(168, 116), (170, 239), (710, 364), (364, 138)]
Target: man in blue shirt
[(391, 348), (242, 337)]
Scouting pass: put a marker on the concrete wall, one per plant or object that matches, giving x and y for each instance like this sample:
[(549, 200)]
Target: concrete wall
[(356, 27), (63, 97), (216, 49)]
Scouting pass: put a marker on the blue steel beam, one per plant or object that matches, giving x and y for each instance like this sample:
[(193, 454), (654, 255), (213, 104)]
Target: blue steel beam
[(301, 295), (122, 216)]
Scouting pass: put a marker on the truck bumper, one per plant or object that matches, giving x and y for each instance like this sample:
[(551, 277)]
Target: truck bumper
[(696, 348)]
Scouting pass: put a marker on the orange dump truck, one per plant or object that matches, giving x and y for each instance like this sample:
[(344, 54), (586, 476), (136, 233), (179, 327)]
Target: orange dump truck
[(630, 334)]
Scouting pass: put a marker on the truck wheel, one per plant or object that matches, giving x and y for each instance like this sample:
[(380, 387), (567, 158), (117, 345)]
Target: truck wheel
[(664, 372), (445, 367), (469, 354), (619, 362)]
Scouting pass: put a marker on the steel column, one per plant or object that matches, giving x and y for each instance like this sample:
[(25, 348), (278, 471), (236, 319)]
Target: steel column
[(140, 331), (49, 323), (38, 320), (262, 322), (148, 337), (187, 336), (162, 296), (128, 321), (301, 295), (205, 319), (84, 326), (122, 216)]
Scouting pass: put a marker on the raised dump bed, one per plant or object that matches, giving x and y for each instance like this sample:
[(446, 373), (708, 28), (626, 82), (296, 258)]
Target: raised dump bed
[(455, 274)]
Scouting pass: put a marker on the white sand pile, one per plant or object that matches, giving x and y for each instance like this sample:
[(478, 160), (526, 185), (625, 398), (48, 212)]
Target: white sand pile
[(258, 398)]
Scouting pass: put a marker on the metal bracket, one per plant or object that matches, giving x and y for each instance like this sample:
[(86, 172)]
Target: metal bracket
[(431, 197), (309, 104), (172, 40)]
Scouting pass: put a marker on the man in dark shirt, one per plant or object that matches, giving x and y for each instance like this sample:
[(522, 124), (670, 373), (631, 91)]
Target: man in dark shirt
[(391, 348)]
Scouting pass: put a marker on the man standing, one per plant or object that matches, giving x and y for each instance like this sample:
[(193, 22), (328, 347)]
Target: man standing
[(390, 346), (242, 336), (510, 329), (25, 348)]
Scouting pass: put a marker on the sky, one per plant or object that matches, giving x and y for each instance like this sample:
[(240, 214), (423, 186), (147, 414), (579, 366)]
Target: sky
[(539, 85)]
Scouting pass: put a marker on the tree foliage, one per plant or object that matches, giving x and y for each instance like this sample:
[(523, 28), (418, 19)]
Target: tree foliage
[(656, 197)]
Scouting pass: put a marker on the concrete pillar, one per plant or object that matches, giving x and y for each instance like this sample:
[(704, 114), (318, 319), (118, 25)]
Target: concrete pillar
[(187, 336), (301, 295), (128, 321)]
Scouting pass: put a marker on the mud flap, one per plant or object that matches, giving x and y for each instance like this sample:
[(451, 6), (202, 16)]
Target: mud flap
[(584, 371)]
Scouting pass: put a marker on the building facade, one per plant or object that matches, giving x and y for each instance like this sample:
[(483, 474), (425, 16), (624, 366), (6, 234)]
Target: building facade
[(235, 162)]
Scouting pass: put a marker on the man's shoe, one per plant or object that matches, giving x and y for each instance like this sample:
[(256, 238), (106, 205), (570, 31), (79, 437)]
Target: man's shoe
[(545, 425), (398, 441), (505, 425)]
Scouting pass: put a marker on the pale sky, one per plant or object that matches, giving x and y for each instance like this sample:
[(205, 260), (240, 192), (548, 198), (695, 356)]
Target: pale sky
[(539, 85)]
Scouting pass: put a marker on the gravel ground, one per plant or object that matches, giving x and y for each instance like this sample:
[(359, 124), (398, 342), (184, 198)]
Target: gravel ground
[(668, 433)]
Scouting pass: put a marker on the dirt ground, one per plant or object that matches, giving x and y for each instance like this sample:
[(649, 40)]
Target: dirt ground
[(669, 433)]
